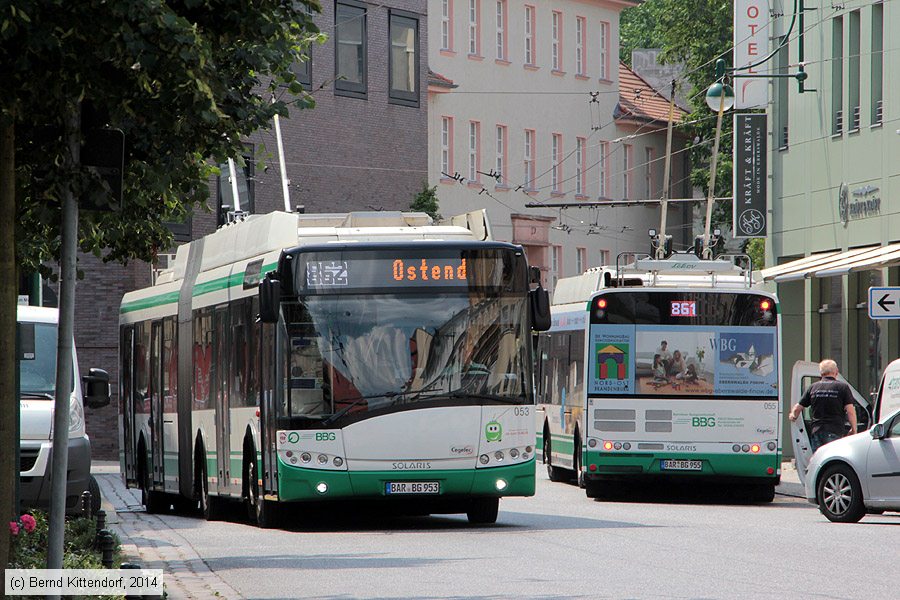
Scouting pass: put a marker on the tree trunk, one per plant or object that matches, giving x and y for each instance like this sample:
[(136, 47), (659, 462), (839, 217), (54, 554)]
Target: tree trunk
[(8, 397)]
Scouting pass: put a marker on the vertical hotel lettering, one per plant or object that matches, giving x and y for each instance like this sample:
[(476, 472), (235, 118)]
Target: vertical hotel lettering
[(427, 272)]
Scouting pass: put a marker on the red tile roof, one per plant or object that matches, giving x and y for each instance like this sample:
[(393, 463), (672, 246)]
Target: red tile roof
[(638, 101), (439, 80)]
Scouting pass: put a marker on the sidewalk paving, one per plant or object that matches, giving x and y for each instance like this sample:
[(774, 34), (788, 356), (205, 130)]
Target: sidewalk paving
[(148, 540)]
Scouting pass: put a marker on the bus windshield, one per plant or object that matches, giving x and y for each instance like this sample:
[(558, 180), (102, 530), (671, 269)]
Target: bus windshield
[(360, 353), (689, 343)]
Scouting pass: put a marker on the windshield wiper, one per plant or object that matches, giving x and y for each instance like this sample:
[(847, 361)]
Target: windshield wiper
[(42, 395), (463, 394), (356, 402)]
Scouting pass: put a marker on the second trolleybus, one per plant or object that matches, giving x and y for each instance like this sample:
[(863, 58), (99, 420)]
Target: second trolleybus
[(662, 369)]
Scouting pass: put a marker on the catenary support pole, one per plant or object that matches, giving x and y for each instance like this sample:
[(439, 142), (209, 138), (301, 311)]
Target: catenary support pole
[(664, 205), (710, 196)]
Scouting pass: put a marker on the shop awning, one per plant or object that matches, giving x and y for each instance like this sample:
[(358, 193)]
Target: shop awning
[(830, 264)]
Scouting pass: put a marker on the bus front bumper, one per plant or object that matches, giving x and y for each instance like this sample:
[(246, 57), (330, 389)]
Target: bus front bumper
[(298, 484)]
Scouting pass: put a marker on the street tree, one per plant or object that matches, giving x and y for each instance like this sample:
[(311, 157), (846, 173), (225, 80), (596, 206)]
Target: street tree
[(426, 201), (695, 34), (185, 81)]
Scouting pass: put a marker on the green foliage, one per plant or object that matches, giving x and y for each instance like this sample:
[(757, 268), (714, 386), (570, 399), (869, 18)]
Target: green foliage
[(29, 550), (756, 249), (185, 81), (426, 201), (694, 33)]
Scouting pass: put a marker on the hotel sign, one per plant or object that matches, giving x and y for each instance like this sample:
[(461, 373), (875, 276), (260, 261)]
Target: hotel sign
[(751, 42), (749, 186)]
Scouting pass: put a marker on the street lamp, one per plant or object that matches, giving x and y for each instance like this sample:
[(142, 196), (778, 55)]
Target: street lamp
[(719, 97)]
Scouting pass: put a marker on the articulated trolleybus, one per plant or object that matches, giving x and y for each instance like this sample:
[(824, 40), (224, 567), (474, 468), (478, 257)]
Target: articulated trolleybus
[(293, 358), (662, 369)]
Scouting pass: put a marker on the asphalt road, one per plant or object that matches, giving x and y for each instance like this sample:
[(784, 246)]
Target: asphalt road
[(661, 543)]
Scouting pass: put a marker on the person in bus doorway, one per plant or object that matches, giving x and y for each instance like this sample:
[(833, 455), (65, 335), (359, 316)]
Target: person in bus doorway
[(831, 402)]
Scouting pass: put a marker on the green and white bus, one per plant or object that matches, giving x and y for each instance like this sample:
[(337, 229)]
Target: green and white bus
[(303, 358), (666, 369)]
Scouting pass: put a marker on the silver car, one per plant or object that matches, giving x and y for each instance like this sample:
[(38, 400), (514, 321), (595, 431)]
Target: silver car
[(858, 474)]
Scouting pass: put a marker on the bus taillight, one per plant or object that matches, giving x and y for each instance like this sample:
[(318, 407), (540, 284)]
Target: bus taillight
[(754, 448)]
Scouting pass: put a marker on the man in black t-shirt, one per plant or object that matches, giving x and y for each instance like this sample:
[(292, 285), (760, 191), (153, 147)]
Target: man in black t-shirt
[(831, 402)]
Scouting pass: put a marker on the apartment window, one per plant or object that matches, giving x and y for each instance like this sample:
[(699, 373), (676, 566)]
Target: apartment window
[(474, 151), (626, 171), (782, 95), (474, 27), (447, 25), (853, 73), (225, 187), (501, 30), (877, 81), (580, 56), (529, 159), (580, 260), (604, 51), (447, 146), (350, 49), (404, 72), (555, 265), (500, 168), (837, 75), (555, 151), (648, 172), (579, 165), (556, 34), (604, 258), (603, 175), (303, 68), (530, 54)]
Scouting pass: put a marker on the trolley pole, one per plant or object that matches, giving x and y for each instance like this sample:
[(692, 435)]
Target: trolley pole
[(664, 205)]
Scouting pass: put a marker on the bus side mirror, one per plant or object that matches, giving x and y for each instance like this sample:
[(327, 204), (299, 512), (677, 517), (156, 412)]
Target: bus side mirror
[(539, 301), (269, 300), (96, 388)]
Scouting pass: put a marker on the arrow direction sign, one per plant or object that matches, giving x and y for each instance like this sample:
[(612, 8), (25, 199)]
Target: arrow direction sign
[(884, 302)]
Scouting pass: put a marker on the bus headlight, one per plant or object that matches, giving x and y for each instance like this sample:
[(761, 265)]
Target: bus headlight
[(484, 459), (322, 487), (498, 455), (338, 461), (322, 459), (305, 457), (501, 485)]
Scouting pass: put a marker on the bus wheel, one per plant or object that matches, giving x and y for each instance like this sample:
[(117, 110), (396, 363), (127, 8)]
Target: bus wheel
[(210, 506), (483, 511), (153, 501), (576, 462), (594, 489), (764, 492), (258, 508), (554, 473)]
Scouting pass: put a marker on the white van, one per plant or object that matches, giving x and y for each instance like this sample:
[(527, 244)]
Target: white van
[(37, 380)]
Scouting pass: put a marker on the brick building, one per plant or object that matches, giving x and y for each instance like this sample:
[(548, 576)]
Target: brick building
[(363, 147)]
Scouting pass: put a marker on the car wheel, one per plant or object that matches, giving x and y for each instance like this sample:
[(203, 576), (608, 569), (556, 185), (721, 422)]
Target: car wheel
[(840, 495), (96, 497)]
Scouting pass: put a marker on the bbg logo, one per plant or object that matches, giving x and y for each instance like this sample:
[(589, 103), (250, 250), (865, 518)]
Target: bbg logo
[(293, 437), (325, 436), (703, 421)]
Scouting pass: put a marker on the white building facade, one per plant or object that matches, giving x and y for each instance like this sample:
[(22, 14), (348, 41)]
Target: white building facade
[(521, 111)]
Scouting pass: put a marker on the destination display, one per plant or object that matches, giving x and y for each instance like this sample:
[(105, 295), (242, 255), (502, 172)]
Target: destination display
[(408, 270), (662, 360)]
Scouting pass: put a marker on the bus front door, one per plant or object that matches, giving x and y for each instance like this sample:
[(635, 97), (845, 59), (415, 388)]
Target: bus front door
[(803, 375), (223, 419)]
